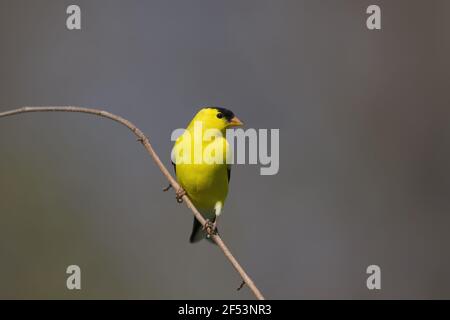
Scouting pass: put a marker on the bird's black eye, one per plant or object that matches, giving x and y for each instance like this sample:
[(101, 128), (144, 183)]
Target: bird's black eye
[(220, 115)]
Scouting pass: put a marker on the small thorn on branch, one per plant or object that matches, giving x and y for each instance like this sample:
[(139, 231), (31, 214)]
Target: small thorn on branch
[(167, 188), (241, 286), (141, 140)]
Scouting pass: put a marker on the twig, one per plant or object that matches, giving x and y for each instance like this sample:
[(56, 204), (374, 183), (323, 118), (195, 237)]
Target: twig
[(241, 286), (146, 143)]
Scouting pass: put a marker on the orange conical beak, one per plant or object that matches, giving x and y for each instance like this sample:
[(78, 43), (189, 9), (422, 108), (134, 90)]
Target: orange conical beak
[(235, 122)]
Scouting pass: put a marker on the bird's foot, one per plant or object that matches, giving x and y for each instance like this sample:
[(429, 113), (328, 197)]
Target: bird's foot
[(167, 188), (179, 194), (210, 228)]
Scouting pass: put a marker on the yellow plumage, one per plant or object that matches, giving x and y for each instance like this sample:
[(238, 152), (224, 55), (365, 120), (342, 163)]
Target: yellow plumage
[(200, 155)]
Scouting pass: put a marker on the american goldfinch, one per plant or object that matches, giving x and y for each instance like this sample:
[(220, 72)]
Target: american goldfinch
[(200, 158)]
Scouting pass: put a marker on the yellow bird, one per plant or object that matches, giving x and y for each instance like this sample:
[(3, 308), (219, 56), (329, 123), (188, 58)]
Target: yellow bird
[(200, 158)]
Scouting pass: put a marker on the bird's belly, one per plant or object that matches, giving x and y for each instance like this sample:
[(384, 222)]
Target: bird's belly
[(205, 184)]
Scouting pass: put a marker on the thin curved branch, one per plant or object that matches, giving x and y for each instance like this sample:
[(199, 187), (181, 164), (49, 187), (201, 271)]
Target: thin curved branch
[(146, 143)]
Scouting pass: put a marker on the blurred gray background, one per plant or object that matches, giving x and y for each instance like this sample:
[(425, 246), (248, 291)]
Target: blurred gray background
[(364, 165)]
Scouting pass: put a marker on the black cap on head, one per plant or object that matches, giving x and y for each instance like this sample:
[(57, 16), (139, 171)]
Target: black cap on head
[(228, 114)]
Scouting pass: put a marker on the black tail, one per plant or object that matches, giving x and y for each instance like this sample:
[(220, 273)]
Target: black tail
[(198, 233)]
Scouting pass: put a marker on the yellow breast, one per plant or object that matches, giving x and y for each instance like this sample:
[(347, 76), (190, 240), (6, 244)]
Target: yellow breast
[(201, 170)]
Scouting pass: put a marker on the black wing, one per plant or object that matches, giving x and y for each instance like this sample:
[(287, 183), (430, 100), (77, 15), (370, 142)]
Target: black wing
[(175, 168), (229, 173)]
